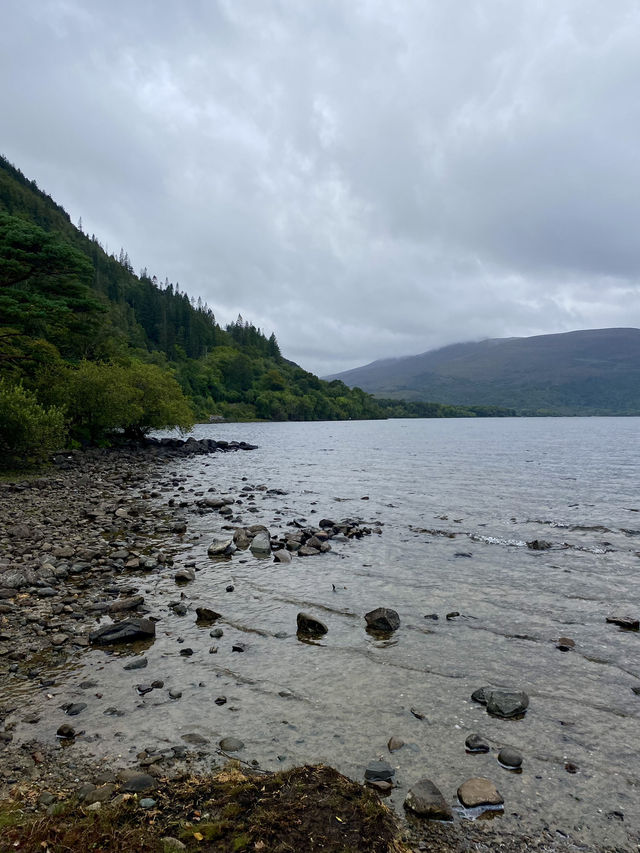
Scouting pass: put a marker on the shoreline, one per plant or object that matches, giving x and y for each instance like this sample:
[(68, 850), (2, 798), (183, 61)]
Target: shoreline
[(61, 535)]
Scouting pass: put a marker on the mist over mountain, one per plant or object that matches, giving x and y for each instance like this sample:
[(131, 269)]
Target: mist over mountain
[(586, 372)]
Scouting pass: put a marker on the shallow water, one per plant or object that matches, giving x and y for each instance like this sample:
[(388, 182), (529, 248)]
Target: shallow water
[(458, 500)]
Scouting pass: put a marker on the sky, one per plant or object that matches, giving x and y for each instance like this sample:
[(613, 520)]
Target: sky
[(365, 178)]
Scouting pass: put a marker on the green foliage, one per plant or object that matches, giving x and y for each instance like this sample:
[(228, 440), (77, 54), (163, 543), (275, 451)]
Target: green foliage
[(44, 291), (135, 398), (28, 431)]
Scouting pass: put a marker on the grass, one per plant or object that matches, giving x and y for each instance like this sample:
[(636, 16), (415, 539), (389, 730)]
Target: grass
[(308, 808)]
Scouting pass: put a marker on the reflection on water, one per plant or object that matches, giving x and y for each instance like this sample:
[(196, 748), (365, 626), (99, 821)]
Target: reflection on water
[(458, 502)]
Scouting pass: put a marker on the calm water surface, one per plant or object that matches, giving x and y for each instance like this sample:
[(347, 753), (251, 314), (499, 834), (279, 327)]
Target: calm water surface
[(458, 501)]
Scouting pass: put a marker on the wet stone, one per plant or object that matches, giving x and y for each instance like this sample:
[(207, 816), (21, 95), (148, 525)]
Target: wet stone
[(136, 783), (425, 800), (382, 619), (231, 744), (136, 663), (309, 626), (379, 771), (510, 757), (479, 792), (476, 743)]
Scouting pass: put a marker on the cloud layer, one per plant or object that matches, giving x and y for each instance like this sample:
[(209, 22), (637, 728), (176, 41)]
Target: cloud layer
[(365, 178)]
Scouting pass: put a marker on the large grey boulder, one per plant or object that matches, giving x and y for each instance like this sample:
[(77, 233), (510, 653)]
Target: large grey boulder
[(425, 800), (127, 631)]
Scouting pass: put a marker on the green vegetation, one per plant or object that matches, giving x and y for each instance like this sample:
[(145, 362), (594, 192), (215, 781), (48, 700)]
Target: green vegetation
[(306, 808), (84, 338)]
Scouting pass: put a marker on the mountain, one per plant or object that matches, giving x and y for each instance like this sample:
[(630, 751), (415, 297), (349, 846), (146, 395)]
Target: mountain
[(587, 372)]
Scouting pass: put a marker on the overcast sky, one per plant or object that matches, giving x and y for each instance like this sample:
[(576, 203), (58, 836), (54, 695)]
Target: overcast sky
[(366, 178)]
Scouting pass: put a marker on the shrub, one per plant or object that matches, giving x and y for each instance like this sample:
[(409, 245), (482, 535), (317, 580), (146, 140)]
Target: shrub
[(28, 431)]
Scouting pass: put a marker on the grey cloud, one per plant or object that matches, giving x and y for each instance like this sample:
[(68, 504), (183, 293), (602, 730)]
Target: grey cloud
[(366, 179)]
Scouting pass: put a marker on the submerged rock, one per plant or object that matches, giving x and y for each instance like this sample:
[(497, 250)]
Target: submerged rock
[(382, 619), (510, 757), (231, 744), (425, 800), (127, 631), (479, 792), (476, 743), (309, 626), (502, 703), (626, 622)]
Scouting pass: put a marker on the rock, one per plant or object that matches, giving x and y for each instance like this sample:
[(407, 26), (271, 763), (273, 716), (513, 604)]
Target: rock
[(75, 708), (46, 798), (433, 616), (282, 556), (123, 604), (147, 803), (222, 547), (179, 608), (565, 644), (381, 787), (510, 757), (143, 689), (175, 694), (238, 647), (395, 743), (170, 843), (453, 615), (186, 653), (539, 545), (379, 771), (479, 792), (308, 551), (476, 743), (628, 623), (417, 713), (240, 539), (382, 619), (58, 639), (94, 807), (216, 633), (138, 783), (502, 703), (309, 626), (261, 542), (100, 795), (231, 744), (570, 767), (507, 703), (205, 616), (184, 575), (127, 631), (136, 663), (425, 800), (66, 731)]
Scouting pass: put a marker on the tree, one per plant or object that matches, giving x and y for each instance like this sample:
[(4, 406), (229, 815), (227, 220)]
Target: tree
[(28, 431), (45, 287)]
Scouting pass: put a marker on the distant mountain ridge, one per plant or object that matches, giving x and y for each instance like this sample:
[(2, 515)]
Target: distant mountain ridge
[(586, 372)]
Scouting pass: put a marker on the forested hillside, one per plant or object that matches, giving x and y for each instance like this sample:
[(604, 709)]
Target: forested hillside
[(89, 347)]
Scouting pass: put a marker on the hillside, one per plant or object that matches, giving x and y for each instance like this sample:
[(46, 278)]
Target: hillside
[(576, 373), (89, 349)]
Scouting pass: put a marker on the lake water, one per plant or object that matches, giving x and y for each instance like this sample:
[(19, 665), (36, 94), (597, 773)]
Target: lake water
[(457, 500)]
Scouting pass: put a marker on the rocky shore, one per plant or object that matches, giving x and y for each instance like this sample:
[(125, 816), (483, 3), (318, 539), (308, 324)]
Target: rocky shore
[(75, 543)]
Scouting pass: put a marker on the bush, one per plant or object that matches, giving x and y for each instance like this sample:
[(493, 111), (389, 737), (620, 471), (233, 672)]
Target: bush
[(134, 398), (29, 433)]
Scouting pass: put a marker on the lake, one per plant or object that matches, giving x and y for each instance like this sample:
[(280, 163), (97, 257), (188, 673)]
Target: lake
[(457, 502)]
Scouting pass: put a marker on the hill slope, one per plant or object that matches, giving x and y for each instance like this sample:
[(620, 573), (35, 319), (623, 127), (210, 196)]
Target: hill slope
[(584, 372)]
